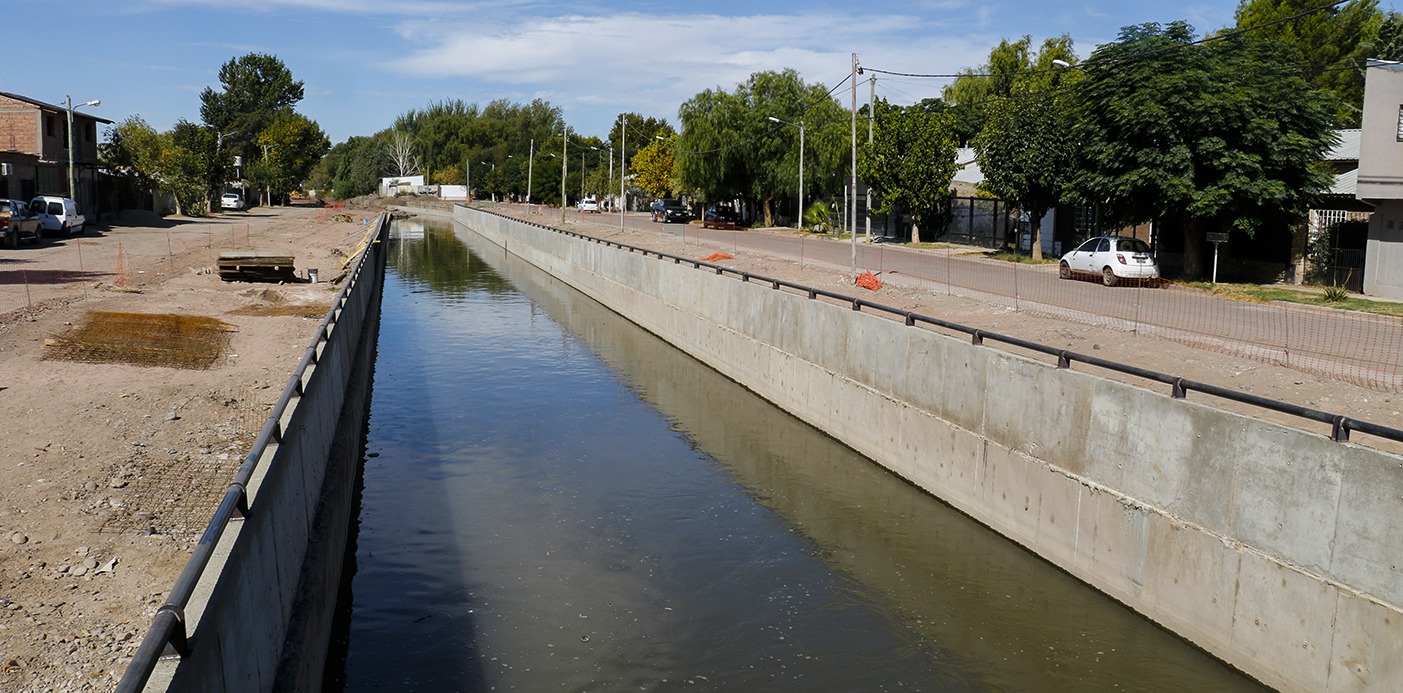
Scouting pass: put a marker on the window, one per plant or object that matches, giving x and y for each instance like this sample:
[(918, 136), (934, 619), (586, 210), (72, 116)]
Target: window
[(1104, 245), (1400, 122), (49, 125)]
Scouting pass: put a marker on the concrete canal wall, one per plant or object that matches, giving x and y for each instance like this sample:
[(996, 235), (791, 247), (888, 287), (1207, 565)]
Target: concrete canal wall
[(1277, 550), (261, 614)]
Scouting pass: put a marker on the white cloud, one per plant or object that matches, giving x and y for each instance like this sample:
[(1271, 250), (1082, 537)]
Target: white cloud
[(630, 58)]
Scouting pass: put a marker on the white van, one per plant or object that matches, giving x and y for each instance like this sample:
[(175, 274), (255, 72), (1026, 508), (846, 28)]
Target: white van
[(57, 214)]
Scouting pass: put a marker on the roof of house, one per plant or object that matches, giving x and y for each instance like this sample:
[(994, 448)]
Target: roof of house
[(1347, 149), (52, 107)]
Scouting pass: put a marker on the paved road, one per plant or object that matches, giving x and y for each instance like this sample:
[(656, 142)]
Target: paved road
[(1360, 348)]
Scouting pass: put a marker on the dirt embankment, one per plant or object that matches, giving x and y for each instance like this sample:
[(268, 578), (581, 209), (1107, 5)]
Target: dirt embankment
[(110, 470)]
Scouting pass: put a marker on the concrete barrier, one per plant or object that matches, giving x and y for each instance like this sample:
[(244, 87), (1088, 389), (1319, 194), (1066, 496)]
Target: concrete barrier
[(1277, 550), (260, 614)]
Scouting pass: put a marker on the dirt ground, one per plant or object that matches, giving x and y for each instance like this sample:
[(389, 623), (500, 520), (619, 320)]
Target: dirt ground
[(110, 472)]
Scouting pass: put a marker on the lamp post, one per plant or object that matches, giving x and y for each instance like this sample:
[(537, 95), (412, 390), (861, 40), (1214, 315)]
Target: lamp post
[(799, 218), (530, 168), (623, 171), (72, 179), (564, 168)]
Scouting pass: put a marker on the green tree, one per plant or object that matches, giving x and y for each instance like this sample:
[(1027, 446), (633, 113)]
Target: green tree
[(292, 144), (1331, 43), (729, 147), (1010, 66), (256, 87), (134, 150), (1388, 45), (199, 168), (910, 163), (1027, 150), (1193, 133)]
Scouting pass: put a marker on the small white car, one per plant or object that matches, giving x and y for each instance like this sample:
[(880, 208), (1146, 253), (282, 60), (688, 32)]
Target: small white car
[(589, 204), (231, 201), (1113, 258)]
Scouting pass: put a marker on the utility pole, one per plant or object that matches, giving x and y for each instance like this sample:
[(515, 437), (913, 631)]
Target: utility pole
[(852, 199), (564, 139), (623, 171), (530, 167), (871, 116)]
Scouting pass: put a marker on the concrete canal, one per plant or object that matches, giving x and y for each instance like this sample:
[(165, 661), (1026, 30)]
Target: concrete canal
[(554, 499)]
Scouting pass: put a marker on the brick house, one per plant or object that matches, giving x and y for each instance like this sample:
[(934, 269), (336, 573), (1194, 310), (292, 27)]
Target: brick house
[(34, 142)]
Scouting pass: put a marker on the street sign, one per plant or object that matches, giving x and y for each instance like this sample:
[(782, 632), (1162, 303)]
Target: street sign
[(1217, 237)]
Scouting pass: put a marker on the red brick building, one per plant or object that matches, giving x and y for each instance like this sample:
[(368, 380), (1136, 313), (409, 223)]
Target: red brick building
[(34, 142)]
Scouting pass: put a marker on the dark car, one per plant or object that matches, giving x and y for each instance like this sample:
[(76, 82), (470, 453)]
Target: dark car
[(669, 211), (720, 216)]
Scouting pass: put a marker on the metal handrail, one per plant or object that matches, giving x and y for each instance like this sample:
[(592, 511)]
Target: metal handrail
[(168, 626), (1341, 425)]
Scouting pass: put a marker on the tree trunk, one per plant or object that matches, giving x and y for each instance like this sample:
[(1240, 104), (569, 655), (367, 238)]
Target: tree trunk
[(915, 232), (769, 217), (1036, 233), (1193, 255)]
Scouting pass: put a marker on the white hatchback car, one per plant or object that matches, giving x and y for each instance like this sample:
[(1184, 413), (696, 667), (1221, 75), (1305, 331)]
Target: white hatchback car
[(1113, 258), (589, 204)]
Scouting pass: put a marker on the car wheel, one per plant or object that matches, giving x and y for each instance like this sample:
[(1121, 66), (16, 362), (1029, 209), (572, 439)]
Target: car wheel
[(1108, 277), (1064, 271)]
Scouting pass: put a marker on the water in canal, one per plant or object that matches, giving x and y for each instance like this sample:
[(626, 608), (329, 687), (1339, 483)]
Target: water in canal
[(555, 499)]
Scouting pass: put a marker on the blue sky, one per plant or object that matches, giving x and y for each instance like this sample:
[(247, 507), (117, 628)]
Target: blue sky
[(364, 62)]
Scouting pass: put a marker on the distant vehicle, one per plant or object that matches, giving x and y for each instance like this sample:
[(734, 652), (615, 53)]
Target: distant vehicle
[(231, 201), (589, 204), (667, 211), (16, 223), (719, 216), (1113, 258), (58, 214)]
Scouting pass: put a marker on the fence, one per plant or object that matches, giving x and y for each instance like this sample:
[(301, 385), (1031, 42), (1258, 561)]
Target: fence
[(1361, 348)]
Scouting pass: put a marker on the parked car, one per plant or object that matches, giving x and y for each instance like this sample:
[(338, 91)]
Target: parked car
[(720, 216), (667, 211), (16, 223), (589, 204), (58, 214), (231, 200), (1113, 258)]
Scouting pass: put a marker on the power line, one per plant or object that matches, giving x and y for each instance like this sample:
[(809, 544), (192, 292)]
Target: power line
[(1206, 39)]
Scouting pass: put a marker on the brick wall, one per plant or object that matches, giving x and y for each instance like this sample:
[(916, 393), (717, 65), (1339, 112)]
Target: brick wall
[(19, 126)]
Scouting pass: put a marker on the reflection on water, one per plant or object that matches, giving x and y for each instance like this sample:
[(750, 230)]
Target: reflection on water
[(556, 500)]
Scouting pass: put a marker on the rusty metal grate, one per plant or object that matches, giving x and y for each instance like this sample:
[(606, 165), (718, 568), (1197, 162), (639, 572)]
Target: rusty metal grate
[(175, 495), (278, 310), (143, 339)]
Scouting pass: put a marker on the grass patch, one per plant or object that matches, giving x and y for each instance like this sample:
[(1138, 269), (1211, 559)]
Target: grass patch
[(1006, 256), (1262, 294)]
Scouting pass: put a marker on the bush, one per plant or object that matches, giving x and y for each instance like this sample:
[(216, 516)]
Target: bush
[(817, 217)]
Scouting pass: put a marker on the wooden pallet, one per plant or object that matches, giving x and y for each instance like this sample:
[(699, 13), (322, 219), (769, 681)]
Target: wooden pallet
[(255, 266)]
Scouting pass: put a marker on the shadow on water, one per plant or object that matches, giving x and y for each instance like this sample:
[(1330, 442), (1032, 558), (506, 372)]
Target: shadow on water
[(828, 573), (976, 600), (439, 265)]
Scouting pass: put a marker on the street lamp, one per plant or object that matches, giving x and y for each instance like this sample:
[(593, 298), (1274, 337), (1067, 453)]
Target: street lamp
[(799, 221), (72, 182)]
